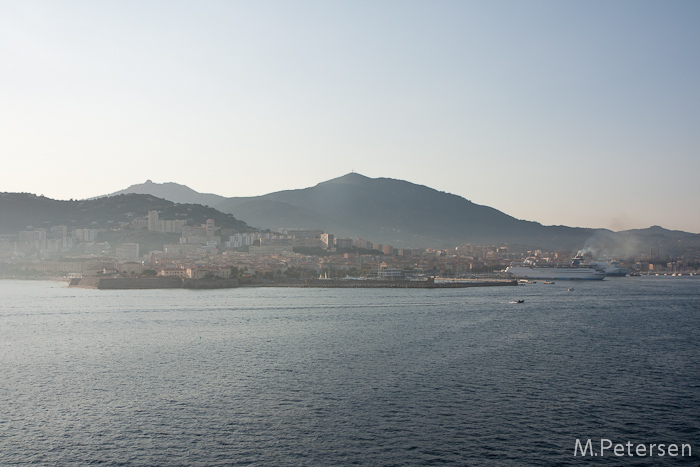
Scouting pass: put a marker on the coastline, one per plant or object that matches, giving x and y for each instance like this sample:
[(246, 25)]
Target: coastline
[(122, 283)]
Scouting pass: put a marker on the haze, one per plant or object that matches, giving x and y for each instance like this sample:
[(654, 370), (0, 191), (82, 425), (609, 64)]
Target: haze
[(582, 113)]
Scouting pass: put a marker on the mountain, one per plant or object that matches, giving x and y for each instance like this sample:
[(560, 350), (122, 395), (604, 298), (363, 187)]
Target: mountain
[(395, 212), (404, 214), (23, 211), (656, 230), (171, 191), (385, 210), (658, 241)]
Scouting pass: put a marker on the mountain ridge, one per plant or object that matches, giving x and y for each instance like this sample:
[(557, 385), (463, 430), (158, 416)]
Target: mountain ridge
[(408, 215), (171, 191), (384, 210)]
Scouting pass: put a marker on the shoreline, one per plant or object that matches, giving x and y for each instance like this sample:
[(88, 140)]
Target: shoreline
[(371, 284), (120, 283)]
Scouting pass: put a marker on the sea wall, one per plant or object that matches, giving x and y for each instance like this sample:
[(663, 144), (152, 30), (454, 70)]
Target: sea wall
[(127, 283), (372, 284), (111, 283), (209, 283)]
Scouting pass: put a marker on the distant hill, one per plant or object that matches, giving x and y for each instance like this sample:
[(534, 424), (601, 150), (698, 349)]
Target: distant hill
[(653, 241), (657, 230), (659, 241), (171, 191), (22, 211)]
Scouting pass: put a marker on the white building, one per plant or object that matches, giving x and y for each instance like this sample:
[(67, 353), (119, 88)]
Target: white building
[(153, 221), (127, 251)]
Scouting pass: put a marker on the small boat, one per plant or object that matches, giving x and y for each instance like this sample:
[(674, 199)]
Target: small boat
[(548, 282), (517, 301), (570, 289)]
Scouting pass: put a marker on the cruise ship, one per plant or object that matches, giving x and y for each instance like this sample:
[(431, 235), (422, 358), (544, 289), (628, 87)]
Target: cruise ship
[(612, 268), (575, 271)]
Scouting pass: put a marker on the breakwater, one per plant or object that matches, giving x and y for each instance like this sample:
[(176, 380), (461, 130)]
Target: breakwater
[(388, 284), (112, 283), (115, 283)]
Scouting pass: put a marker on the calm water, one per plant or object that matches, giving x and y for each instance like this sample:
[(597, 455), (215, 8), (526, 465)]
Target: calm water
[(341, 377)]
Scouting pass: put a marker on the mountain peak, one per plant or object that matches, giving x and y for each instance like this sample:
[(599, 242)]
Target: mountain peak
[(172, 192), (352, 177)]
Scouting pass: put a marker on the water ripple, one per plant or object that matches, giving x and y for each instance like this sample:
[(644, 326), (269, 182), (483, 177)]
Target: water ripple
[(346, 377)]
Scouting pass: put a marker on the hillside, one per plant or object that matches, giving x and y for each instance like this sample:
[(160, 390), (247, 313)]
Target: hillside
[(656, 230), (657, 241), (395, 212), (384, 210), (171, 191), (22, 211), (404, 214)]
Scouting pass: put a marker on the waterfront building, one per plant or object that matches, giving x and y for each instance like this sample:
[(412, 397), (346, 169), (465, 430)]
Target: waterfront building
[(127, 251), (130, 267), (391, 274), (172, 272)]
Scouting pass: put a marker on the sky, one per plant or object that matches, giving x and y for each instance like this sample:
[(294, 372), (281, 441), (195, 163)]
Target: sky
[(581, 112)]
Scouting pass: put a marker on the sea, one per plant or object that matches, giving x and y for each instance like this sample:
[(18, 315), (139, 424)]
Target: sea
[(342, 377)]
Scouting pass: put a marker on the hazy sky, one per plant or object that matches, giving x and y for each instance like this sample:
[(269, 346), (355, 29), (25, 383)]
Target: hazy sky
[(583, 113)]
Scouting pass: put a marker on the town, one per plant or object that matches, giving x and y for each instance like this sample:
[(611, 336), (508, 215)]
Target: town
[(208, 251)]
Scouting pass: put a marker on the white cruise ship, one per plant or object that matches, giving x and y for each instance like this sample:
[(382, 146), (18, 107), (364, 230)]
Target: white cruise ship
[(611, 268), (575, 271)]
